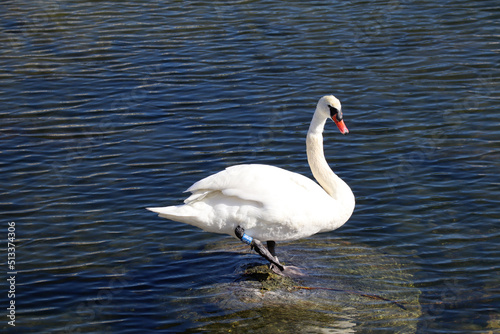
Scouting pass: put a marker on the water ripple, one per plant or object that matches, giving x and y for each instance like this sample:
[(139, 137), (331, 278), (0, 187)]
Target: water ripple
[(109, 109)]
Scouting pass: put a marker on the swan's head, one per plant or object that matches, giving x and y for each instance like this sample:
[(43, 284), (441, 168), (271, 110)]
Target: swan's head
[(330, 107)]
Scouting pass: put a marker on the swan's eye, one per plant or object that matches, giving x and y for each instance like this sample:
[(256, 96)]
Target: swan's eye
[(334, 111)]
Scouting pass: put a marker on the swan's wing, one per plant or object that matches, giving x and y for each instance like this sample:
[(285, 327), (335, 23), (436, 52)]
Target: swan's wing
[(262, 184), (269, 202)]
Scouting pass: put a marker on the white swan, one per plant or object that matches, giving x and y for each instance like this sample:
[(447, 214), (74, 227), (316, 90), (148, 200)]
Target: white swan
[(261, 202)]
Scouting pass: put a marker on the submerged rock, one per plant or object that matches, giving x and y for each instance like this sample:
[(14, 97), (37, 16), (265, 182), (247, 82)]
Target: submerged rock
[(346, 288)]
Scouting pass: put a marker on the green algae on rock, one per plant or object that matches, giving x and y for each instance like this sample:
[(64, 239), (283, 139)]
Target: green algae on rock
[(346, 288)]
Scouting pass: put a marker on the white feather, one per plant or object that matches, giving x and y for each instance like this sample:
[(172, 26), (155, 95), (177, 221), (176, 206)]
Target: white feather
[(270, 203)]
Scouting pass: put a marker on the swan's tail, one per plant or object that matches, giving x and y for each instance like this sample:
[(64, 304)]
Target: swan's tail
[(180, 213)]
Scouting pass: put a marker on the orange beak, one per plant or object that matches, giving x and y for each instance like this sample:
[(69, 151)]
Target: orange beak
[(341, 125)]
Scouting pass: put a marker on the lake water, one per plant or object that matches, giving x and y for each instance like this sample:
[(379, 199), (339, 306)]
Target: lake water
[(111, 107)]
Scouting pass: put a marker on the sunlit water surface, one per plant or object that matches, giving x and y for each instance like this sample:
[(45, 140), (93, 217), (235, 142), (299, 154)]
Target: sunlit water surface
[(110, 107)]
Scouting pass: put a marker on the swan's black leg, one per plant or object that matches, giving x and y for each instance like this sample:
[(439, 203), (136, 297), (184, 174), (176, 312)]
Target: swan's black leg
[(271, 246), (258, 247), (264, 252)]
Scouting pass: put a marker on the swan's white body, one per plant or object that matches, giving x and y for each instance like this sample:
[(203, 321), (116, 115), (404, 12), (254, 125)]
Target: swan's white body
[(271, 203)]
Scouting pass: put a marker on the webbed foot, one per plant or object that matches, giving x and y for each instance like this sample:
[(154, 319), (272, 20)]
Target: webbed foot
[(292, 271)]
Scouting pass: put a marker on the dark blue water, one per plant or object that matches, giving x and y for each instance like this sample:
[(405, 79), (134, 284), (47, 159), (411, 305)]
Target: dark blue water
[(108, 108)]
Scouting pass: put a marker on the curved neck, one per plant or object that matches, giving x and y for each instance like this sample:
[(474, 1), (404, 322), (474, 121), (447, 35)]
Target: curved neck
[(333, 185)]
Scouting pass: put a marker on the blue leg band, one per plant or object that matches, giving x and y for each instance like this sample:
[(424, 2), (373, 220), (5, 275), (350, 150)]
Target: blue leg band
[(246, 239)]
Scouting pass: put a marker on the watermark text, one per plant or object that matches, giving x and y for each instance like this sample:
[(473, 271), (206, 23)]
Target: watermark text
[(11, 273)]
